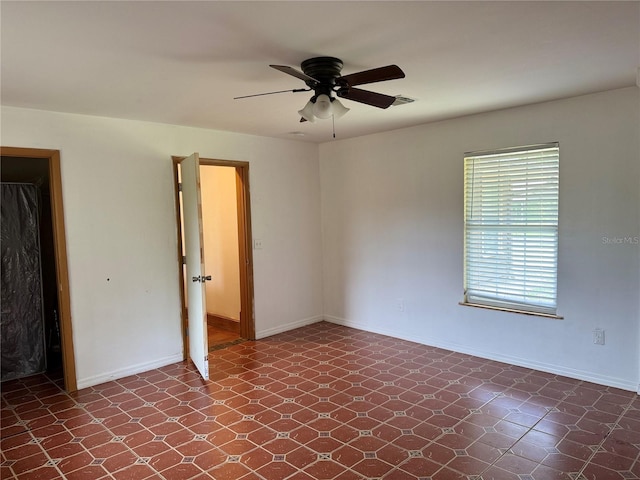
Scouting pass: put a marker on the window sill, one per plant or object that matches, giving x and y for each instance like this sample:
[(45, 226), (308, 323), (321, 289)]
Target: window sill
[(512, 310)]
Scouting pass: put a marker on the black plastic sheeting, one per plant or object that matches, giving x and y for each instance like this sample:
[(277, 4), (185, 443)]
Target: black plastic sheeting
[(22, 321)]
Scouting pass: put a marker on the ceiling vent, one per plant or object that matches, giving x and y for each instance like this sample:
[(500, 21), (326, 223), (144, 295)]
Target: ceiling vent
[(402, 100)]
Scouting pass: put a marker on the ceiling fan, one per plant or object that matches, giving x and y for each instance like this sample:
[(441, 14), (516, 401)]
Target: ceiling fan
[(322, 76)]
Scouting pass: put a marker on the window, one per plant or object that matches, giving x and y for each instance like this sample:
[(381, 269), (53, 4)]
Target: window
[(511, 228)]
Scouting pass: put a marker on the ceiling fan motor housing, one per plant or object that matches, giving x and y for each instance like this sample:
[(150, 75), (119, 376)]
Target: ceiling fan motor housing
[(325, 70)]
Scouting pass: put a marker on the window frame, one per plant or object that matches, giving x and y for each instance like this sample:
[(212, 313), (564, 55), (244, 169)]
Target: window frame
[(542, 227)]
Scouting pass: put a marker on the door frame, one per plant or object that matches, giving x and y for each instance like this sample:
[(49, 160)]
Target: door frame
[(245, 252), (60, 246)]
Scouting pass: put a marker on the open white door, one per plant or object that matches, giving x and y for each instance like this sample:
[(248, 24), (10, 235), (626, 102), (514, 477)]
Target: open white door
[(196, 277)]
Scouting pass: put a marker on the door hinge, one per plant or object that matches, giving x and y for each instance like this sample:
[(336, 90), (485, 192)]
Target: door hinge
[(179, 187), (184, 259)]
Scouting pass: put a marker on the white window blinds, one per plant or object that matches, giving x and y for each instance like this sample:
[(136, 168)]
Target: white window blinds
[(511, 228)]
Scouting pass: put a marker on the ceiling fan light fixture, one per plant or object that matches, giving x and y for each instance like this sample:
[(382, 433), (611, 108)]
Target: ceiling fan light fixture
[(322, 107), (307, 112), (338, 109)]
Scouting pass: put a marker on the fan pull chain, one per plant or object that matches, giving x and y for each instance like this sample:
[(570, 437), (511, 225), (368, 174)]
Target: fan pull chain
[(333, 120)]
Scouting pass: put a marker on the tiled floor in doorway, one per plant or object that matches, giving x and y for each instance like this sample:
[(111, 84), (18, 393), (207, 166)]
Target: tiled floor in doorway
[(219, 338), (222, 332), (324, 402)]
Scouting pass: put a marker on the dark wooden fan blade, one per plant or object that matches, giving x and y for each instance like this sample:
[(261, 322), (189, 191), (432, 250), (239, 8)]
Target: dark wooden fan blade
[(390, 72), (296, 73), (365, 96)]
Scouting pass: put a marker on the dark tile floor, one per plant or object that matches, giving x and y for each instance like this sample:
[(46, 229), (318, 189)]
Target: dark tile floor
[(324, 402)]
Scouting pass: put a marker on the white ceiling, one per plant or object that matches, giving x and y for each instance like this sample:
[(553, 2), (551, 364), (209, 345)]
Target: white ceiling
[(183, 62)]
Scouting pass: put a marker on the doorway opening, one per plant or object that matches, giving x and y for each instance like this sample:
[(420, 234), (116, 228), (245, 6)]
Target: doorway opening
[(226, 242), (38, 171)]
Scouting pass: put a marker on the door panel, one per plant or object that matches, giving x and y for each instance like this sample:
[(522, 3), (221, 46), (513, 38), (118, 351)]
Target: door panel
[(193, 244)]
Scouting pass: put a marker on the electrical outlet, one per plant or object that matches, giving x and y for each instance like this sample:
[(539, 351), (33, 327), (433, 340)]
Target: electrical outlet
[(598, 336), (257, 243)]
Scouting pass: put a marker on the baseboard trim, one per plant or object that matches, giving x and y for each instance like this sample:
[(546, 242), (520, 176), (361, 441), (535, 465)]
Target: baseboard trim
[(288, 326), (130, 370), (215, 316), (543, 367)]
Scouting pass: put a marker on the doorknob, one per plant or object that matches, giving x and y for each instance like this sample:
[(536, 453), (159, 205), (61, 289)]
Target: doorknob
[(208, 277), (195, 279)]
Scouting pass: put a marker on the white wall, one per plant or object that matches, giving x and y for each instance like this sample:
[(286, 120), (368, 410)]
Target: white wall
[(220, 231), (121, 231), (392, 222)]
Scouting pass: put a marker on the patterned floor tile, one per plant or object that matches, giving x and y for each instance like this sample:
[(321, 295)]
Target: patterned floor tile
[(323, 402)]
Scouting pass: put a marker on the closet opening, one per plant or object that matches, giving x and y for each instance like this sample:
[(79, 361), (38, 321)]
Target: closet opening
[(36, 324)]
